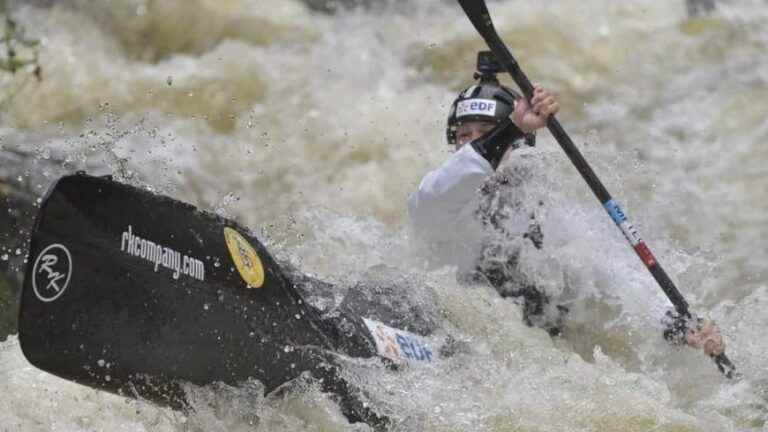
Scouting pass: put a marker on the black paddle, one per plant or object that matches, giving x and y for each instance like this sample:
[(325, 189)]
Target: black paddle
[(478, 14)]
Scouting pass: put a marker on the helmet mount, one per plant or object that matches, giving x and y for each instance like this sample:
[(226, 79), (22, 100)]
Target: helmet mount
[(487, 67)]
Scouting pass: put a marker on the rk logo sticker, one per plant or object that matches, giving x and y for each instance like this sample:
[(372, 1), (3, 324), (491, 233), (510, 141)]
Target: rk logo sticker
[(51, 272)]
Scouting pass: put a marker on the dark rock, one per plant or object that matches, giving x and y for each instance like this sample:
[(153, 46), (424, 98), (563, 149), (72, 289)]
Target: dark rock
[(331, 6), (699, 7), (22, 182)]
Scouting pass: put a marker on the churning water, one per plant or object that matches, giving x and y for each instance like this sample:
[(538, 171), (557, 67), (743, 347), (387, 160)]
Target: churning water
[(313, 128)]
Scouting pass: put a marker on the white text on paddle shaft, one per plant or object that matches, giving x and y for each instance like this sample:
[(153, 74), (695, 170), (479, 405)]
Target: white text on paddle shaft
[(161, 255)]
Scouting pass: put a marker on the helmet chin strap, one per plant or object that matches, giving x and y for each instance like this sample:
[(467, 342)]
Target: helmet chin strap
[(496, 142)]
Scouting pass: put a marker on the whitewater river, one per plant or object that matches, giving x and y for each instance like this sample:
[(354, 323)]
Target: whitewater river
[(313, 128)]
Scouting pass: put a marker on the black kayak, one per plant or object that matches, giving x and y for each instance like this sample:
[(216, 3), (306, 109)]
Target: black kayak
[(136, 293)]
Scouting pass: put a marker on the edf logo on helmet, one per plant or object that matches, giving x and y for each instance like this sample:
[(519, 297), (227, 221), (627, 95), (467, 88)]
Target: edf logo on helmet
[(485, 107)]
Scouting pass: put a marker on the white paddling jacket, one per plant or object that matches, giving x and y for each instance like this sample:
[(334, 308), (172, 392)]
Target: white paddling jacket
[(443, 211), (450, 218)]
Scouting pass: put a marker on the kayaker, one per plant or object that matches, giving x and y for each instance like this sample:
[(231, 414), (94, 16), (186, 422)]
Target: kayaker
[(486, 124)]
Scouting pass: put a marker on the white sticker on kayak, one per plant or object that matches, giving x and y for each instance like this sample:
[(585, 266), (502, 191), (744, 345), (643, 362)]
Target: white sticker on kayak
[(476, 107), (398, 345)]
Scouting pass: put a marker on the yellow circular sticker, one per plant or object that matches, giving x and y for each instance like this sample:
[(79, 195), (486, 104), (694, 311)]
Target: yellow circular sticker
[(245, 257)]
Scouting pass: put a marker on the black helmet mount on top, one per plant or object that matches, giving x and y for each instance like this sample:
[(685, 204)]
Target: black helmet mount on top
[(486, 100)]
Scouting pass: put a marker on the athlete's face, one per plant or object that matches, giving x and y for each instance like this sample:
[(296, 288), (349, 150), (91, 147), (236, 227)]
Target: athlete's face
[(470, 131)]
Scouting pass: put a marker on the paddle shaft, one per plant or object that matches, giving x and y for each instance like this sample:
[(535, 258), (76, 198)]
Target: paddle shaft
[(481, 19)]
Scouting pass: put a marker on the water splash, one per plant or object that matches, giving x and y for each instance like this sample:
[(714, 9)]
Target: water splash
[(323, 124)]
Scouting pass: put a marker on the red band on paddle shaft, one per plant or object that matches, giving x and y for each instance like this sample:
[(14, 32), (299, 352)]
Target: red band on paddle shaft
[(645, 254)]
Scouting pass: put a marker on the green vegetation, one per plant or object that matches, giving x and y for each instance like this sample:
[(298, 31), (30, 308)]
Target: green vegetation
[(8, 308), (19, 51)]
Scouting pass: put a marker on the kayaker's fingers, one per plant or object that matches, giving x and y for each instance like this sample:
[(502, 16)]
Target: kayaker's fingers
[(554, 108), (714, 346), (706, 336), (545, 106)]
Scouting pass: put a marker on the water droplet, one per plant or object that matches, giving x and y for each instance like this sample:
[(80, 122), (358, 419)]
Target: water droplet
[(101, 362), (288, 348), (216, 264), (206, 306), (297, 316), (107, 378), (18, 251), (4, 257)]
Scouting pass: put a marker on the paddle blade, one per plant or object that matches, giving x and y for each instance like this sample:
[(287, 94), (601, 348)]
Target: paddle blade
[(478, 14)]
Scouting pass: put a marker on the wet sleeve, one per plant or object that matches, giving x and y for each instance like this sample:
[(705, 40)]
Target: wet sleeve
[(444, 194)]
